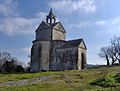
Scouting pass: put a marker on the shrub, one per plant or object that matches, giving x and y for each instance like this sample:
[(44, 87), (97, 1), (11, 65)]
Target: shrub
[(19, 68), (110, 80), (117, 78)]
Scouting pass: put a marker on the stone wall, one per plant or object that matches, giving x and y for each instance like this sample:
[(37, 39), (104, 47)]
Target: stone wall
[(51, 55), (68, 58), (40, 56), (34, 65), (43, 34), (58, 35), (63, 58), (44, 59), (82, 57), (54, 63)]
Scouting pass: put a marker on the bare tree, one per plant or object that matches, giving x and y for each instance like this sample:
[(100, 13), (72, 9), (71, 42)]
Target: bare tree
[(115, 47), (104, 54), (4, 56), (112, 52), (9, 63)]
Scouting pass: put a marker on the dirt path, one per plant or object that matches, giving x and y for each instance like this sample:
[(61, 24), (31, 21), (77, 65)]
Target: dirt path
[(30, 81)]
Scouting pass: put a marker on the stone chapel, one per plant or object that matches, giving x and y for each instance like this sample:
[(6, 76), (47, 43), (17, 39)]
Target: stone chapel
[(51, 50)]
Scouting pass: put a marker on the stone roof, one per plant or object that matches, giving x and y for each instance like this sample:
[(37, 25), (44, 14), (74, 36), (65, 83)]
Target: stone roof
[(61, 28), (42, 24), (72, 43)]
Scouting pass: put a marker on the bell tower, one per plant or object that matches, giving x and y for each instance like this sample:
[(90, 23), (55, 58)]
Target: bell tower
[(51, 18)]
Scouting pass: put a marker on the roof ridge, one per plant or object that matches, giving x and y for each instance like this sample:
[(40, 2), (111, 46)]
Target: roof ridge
[(75, 39)]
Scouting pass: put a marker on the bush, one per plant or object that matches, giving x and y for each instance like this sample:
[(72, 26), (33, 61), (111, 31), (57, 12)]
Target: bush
[(11, 66), (19, 68), (117, 78), (9, 63), (110, 80)]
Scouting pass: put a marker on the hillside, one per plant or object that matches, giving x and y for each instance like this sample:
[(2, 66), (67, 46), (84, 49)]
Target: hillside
[(96, 79)]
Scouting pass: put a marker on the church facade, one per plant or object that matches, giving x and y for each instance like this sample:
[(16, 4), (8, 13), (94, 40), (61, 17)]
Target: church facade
[(51, 51)]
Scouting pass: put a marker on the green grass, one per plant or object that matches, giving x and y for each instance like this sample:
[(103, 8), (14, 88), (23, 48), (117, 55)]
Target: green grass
[(73, 80), (4, 77)]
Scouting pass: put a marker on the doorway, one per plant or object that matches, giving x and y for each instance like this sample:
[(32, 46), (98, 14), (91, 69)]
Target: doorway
[(82, 61)]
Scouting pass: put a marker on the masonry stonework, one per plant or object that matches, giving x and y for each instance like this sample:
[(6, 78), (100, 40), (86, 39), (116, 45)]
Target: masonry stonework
[(50, 50)]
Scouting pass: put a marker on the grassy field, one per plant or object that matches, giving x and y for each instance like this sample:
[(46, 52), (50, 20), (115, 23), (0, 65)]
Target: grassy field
[(96, 79)]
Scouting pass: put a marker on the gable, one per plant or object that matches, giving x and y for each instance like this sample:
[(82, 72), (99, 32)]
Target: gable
[(82, 45), (58, 26), (43, 26)]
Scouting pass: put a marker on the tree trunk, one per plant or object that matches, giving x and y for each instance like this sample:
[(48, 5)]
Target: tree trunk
[(119, 61), (113, 61), (108, 63)]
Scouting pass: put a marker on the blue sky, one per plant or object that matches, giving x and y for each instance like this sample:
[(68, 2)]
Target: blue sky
[(96, 21)]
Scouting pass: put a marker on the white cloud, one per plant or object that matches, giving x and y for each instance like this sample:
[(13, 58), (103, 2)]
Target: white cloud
[(26, 49), (87, 24), (110, 27), (8, 8), (98, 28), (19, 25), (12, 24), (116, 22), (79, 25), (69, 6), (110, 23), (100, 22)]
